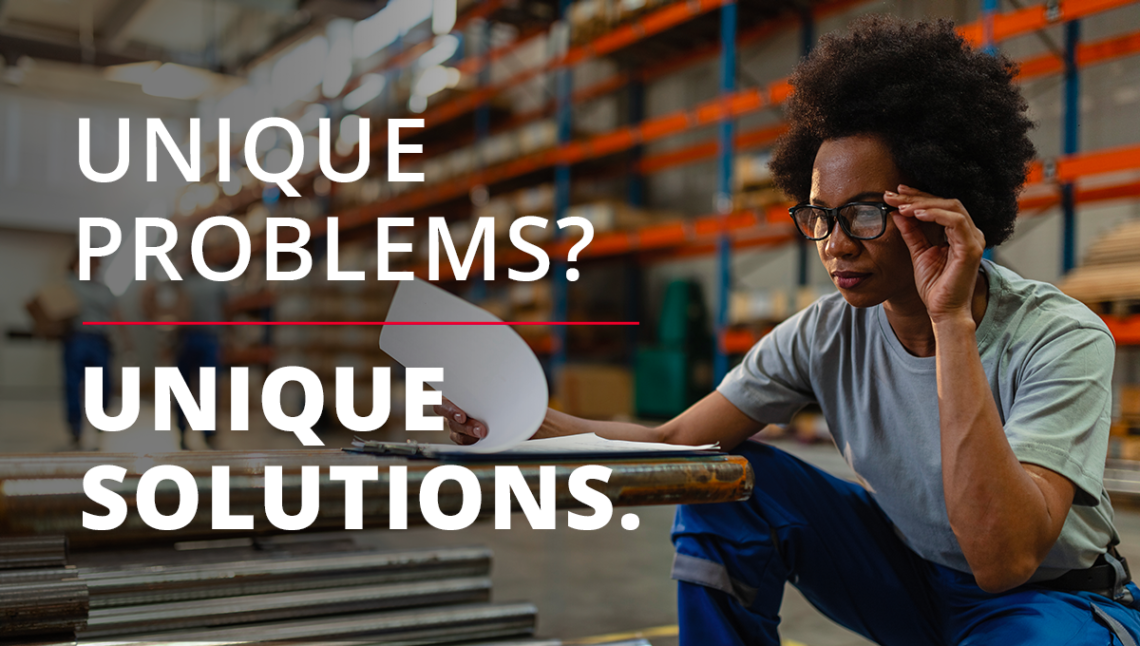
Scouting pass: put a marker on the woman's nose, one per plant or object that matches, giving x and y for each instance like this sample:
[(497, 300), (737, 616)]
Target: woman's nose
[(839, 244)]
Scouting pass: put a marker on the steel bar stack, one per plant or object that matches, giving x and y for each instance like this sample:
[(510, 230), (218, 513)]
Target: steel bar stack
[(262, 586), (328, 591)]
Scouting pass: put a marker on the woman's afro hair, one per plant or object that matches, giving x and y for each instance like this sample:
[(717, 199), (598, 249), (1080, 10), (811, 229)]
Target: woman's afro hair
[(950, 115)]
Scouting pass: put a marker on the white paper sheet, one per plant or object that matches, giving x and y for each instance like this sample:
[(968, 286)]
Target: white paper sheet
[(488, 370), (582, 443)]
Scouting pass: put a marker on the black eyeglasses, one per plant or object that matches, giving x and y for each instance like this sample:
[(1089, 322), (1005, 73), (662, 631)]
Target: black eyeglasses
[(859, 220)]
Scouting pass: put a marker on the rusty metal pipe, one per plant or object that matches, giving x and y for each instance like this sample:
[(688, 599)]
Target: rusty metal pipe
[(33, 504)]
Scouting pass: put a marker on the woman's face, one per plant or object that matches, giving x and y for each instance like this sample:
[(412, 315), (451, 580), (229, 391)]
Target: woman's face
[(867, 272)]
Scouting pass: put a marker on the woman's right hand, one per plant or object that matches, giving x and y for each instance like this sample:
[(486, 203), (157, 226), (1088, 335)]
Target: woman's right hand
[(464, 430)]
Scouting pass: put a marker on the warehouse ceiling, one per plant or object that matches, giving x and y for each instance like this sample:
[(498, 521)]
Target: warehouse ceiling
[(221, 35)]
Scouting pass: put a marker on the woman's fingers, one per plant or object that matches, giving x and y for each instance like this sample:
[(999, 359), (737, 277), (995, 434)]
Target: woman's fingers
[(473, 428), (961, 232), (462, 439), (450, 411), (912, 234), (948, 213), (464, 430)]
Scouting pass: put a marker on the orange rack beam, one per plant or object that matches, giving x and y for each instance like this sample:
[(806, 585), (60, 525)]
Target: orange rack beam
[(1087, 54), (1030, 19), (1125, 330)]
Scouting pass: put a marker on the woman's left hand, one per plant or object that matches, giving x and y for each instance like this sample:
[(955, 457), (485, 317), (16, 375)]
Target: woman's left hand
[(945, 274)]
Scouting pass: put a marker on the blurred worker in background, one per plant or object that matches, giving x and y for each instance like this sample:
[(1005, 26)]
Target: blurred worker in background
[(193, 299), (87, 346)]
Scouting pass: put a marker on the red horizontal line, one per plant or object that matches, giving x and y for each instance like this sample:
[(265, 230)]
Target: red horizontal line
[(243, 323)]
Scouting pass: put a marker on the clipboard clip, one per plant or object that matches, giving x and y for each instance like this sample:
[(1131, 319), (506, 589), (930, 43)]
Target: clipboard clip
[(410, 448)]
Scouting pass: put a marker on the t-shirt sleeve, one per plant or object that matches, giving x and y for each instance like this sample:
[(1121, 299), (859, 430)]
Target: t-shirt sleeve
[(772, 383), (1060, 416)]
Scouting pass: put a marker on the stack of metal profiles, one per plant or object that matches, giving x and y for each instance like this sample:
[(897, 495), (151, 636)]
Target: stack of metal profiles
[(134, 588), (326, 592)]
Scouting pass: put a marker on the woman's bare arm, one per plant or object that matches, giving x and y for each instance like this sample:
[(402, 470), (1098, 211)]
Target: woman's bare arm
[(712, 419)]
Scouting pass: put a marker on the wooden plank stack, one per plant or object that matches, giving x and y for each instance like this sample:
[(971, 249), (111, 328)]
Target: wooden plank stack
[(1108, 280)]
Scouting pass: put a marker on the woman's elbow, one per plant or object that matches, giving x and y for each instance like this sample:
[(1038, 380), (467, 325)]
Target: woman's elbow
[(1005, 572)]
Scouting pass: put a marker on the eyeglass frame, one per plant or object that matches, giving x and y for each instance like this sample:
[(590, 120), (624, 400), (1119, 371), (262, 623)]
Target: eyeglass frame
[(832, 214)]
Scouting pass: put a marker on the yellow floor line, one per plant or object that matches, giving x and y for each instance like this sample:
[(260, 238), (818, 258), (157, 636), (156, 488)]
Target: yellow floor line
[(646, 633)]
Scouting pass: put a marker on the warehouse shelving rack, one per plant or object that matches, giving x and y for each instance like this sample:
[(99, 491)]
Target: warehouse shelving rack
[(724, 230)]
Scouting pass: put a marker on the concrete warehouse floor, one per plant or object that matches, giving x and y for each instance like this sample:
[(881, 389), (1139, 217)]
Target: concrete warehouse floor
[(584, 583)]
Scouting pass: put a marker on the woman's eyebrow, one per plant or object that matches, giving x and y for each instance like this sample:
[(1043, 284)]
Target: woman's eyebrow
[(864, 195), (857, 198)]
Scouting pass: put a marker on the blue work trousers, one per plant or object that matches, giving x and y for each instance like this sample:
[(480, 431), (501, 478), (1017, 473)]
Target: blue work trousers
[(831, 540), (196, 350), (82, 350)]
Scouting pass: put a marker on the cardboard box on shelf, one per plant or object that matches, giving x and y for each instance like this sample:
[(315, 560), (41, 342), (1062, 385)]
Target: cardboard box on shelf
[(533, 295), (534, 52), (499, 307), (1120, 428), (435, 170), (57, 301), (1130, 400), (589, 19), (536, 200), (595, 391), (805, 296), (758, 199), (757, 305), (1124, 448), (537, 136), (608, 215), (499, 148), (502, 210), (625, 11), (751, 170), (461, 162)]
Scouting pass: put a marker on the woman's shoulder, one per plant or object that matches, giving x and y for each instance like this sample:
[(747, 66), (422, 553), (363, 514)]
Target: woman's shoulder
[(1026, 308)]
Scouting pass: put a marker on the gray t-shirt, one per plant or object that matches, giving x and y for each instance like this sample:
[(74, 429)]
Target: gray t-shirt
[(207, 300), (96, 303), (1048, 360)]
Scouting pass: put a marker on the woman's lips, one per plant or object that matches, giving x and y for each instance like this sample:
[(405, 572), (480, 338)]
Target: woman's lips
[(849, 279)]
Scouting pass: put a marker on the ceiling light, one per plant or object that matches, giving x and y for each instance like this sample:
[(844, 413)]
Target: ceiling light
[(136, 73), (436, 79), (232, 187), (371, 85), (350, 129), (445, 47), (443, 16), (175, 81), (312, 117), (338, 64)]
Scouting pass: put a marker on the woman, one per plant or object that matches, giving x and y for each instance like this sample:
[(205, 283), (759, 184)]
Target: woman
[(973, 403)]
